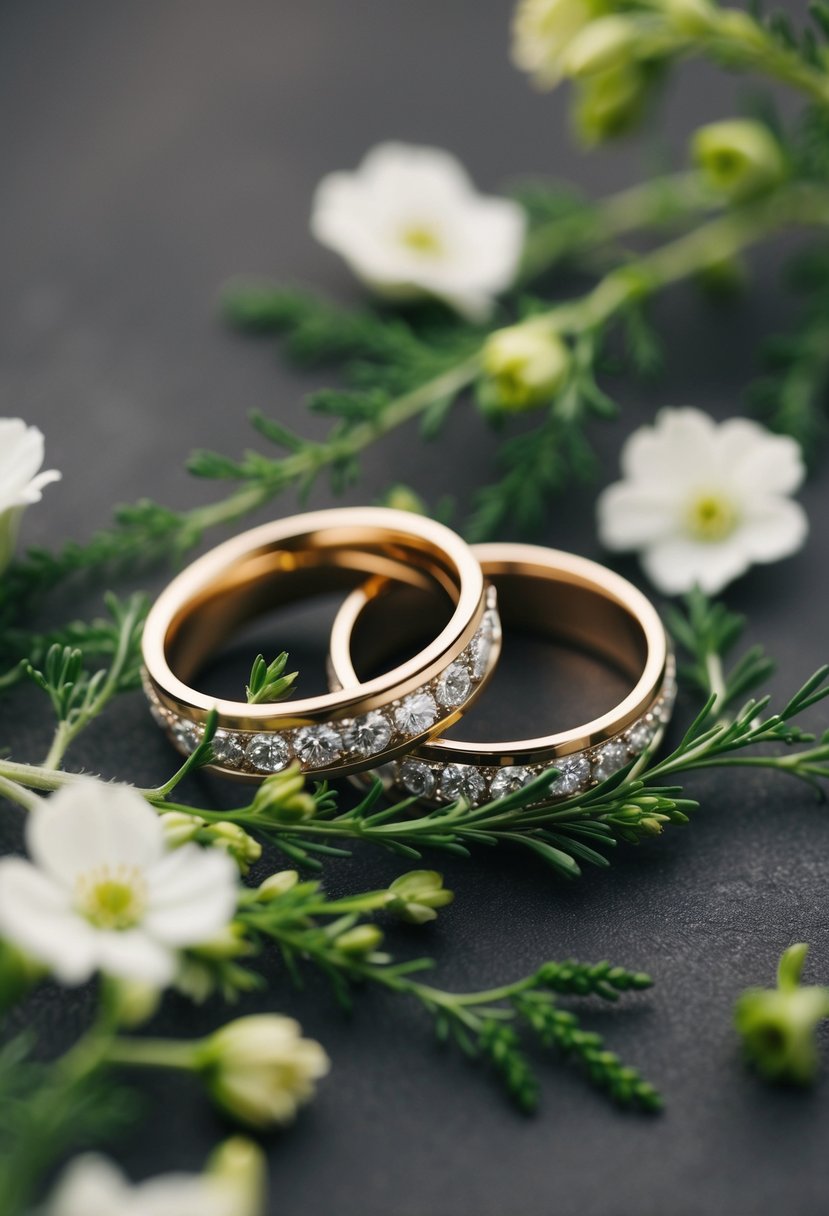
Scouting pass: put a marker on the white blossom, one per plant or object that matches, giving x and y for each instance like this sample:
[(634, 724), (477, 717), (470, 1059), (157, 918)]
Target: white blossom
[(233, 1186), (103, 892), (410, 223), (260, 1069), (21, 481), (542, 31), (703, 501)]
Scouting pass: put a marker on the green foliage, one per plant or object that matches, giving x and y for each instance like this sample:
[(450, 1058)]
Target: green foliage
[(268, 682)]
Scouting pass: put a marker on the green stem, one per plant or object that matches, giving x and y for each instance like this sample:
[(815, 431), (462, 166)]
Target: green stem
[(18, 793), (152, 1053)]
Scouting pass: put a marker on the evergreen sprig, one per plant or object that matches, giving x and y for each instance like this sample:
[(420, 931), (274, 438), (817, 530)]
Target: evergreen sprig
[(268, 682), (336, 936)]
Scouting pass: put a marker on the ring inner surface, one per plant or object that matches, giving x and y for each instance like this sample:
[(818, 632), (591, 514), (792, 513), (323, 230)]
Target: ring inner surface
[(570, 653), (271, 578)]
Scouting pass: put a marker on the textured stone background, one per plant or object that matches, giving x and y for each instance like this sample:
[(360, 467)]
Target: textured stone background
[(150, 150)]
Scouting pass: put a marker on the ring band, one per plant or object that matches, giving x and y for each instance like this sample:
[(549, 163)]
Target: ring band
[(285, 561), (561, 596)]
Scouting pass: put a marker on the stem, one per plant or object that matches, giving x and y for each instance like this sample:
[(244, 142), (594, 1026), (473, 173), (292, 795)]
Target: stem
[(152, 1053), (661, 201), (18, 793)]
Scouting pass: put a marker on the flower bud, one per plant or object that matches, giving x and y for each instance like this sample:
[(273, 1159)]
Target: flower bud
[(690, 17), (283, 798), (362, 939), (610, 103), (134, 1002), (277, 885), (526, 366), (417, 895), (238, 1167), (402, 498), (739, 159), (179, 827), (778, 1025), (230, 943), (650, 825), (541, 32), (235, 840), (260, 1070), (601, 46)]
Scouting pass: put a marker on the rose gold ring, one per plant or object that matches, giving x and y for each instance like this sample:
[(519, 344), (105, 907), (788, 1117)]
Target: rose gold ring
[(558, 596), (288, 560)]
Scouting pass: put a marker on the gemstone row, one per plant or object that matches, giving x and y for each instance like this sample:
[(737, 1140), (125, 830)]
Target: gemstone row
[(442, 783), (320, 746)]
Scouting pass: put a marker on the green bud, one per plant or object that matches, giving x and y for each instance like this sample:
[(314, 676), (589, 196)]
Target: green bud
[(602, 46), (417, 894), (610, 103), (402, 498), (277, 885), (239, 1165), (526, 365), (362, 939), (133, 1001), (778, 1025), (283, 799), (179, 827), (235, 840), (739, 159), (230, 943), (651, 825), (690, 17)]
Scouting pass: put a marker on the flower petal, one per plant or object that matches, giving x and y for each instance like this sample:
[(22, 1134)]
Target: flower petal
[(677, 564), (774, 528), (631, 514), (133, 954), (89, 824), (35, 914), (675, 450), (90, 1186), (192, 895), (758, 461)]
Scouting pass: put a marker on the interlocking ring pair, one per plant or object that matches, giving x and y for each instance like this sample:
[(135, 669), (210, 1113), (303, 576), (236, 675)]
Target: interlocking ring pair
[(405, 576)]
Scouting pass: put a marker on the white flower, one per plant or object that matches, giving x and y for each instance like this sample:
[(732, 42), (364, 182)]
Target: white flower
[(260, 1069), (704, 501), (102, 892), (542, 31), (21, 482), (410, 223), (93, 1186)]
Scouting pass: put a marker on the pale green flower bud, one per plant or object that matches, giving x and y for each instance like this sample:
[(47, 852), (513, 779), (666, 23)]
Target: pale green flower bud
[(402, 498), (238, 1166), (417, 895), (362, 939), (277, 885), (689, 16), (525, 365), (283, 798), (739, 158), (541, 32), (259, 1069), (610, 103), (602, 46), (778, 1025), (134, 1002), (180, 828), (237, 842), (651, 825), (230, 943)]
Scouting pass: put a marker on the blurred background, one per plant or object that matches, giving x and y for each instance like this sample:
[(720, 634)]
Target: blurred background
[(152, 149)]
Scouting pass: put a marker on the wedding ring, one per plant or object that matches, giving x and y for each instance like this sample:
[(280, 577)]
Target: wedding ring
[(288, 560), (558, 596)]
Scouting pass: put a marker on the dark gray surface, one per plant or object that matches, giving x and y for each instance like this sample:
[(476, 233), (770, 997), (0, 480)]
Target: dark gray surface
[(148, 151)]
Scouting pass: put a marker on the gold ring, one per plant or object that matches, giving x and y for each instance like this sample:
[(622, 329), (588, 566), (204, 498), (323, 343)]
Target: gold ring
[(556, 595), (288, 560)]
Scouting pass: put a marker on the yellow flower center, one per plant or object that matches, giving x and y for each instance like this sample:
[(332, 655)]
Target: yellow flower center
[(112, 897), (712, 517), (422, 240)]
